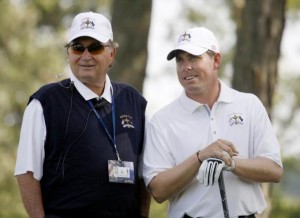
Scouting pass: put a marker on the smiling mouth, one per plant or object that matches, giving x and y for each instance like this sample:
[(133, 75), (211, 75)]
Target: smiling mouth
[(86, 66), (189, 77)]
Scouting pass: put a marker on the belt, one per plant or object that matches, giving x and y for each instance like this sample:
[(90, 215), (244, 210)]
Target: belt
[(58, 216), (247, 216)]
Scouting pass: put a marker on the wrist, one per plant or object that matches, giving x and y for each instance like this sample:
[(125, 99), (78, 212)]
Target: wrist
[(197, 154), (233, 165)]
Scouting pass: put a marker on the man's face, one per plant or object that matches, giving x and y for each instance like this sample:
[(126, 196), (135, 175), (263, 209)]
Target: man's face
[(90, 60), (197, 74)]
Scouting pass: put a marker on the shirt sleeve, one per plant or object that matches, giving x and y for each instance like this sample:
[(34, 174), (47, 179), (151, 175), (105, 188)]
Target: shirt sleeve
[(157, 156), (265, 140), (31, 153)]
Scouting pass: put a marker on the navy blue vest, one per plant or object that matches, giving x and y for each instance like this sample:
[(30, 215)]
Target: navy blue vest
[(75, 172)]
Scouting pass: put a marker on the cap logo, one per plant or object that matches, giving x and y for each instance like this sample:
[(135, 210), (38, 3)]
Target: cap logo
[(87, 24), (184, 37)]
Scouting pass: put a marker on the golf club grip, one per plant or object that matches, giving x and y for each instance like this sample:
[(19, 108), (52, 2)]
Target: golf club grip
[(223, 195)]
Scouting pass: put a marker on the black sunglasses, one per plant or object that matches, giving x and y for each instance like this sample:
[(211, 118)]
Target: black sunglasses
[(94, 49)]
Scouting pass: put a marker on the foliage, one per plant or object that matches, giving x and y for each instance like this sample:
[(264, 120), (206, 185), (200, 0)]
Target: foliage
[(158, 210), (10, 204), (293, 4), (286, 199), (287, 104), (285, 209)]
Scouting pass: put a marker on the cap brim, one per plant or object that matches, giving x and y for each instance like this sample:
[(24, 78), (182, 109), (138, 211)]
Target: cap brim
[(194, 50), (98, 37)]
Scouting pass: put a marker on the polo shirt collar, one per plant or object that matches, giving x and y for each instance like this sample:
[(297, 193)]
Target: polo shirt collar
[(187, 103), (190, 105), (88, 94), (226, 93)]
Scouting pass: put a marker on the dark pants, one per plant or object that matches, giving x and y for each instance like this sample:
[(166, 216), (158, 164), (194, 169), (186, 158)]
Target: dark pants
[(247, 216)]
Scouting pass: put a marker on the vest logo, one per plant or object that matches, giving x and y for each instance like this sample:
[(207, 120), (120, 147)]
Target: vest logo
[(126, 121), (235, 119)]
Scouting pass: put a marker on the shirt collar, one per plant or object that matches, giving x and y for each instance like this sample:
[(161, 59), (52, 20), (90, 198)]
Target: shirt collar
[(190, 105), (88, 94), (226, 94)]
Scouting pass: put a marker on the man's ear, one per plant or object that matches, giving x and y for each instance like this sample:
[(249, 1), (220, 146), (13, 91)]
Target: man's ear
[(217, 60), (113, 52), (112, 55)]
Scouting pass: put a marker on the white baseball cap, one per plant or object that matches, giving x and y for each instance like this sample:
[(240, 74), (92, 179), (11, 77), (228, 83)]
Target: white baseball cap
[(92, 25), (195, 41)]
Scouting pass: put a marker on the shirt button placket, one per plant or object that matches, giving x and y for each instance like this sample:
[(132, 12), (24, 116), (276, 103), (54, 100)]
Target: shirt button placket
[(213, 127)]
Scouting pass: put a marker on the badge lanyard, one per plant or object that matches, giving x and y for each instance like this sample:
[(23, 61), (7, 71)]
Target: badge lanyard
[(112, 138)]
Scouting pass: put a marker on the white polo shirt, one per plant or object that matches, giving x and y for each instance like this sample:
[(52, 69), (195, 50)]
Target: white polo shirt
[(186, 126), (31, 153)]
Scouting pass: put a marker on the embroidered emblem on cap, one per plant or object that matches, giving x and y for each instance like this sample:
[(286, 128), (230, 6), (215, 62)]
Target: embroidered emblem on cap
[(184, 37), (126, 121), (235, 119), (87, 23)]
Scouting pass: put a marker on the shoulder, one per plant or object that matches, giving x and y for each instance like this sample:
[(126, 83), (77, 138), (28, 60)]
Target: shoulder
[(167, 113), (245, 97), (51, 89), (249, 103), (118, 86), (126, 89)]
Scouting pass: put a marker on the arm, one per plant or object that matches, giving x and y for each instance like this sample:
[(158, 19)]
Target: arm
[(174, 180), (145, 199), (264, 163), (31, 195), (260, 169), (30, 157)]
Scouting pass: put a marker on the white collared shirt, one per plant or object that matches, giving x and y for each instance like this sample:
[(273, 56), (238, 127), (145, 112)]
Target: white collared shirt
[(185, 126), (31, 153)]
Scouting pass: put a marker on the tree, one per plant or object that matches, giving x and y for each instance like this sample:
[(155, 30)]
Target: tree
[(259, 33), (260, 26), (131, 23)]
